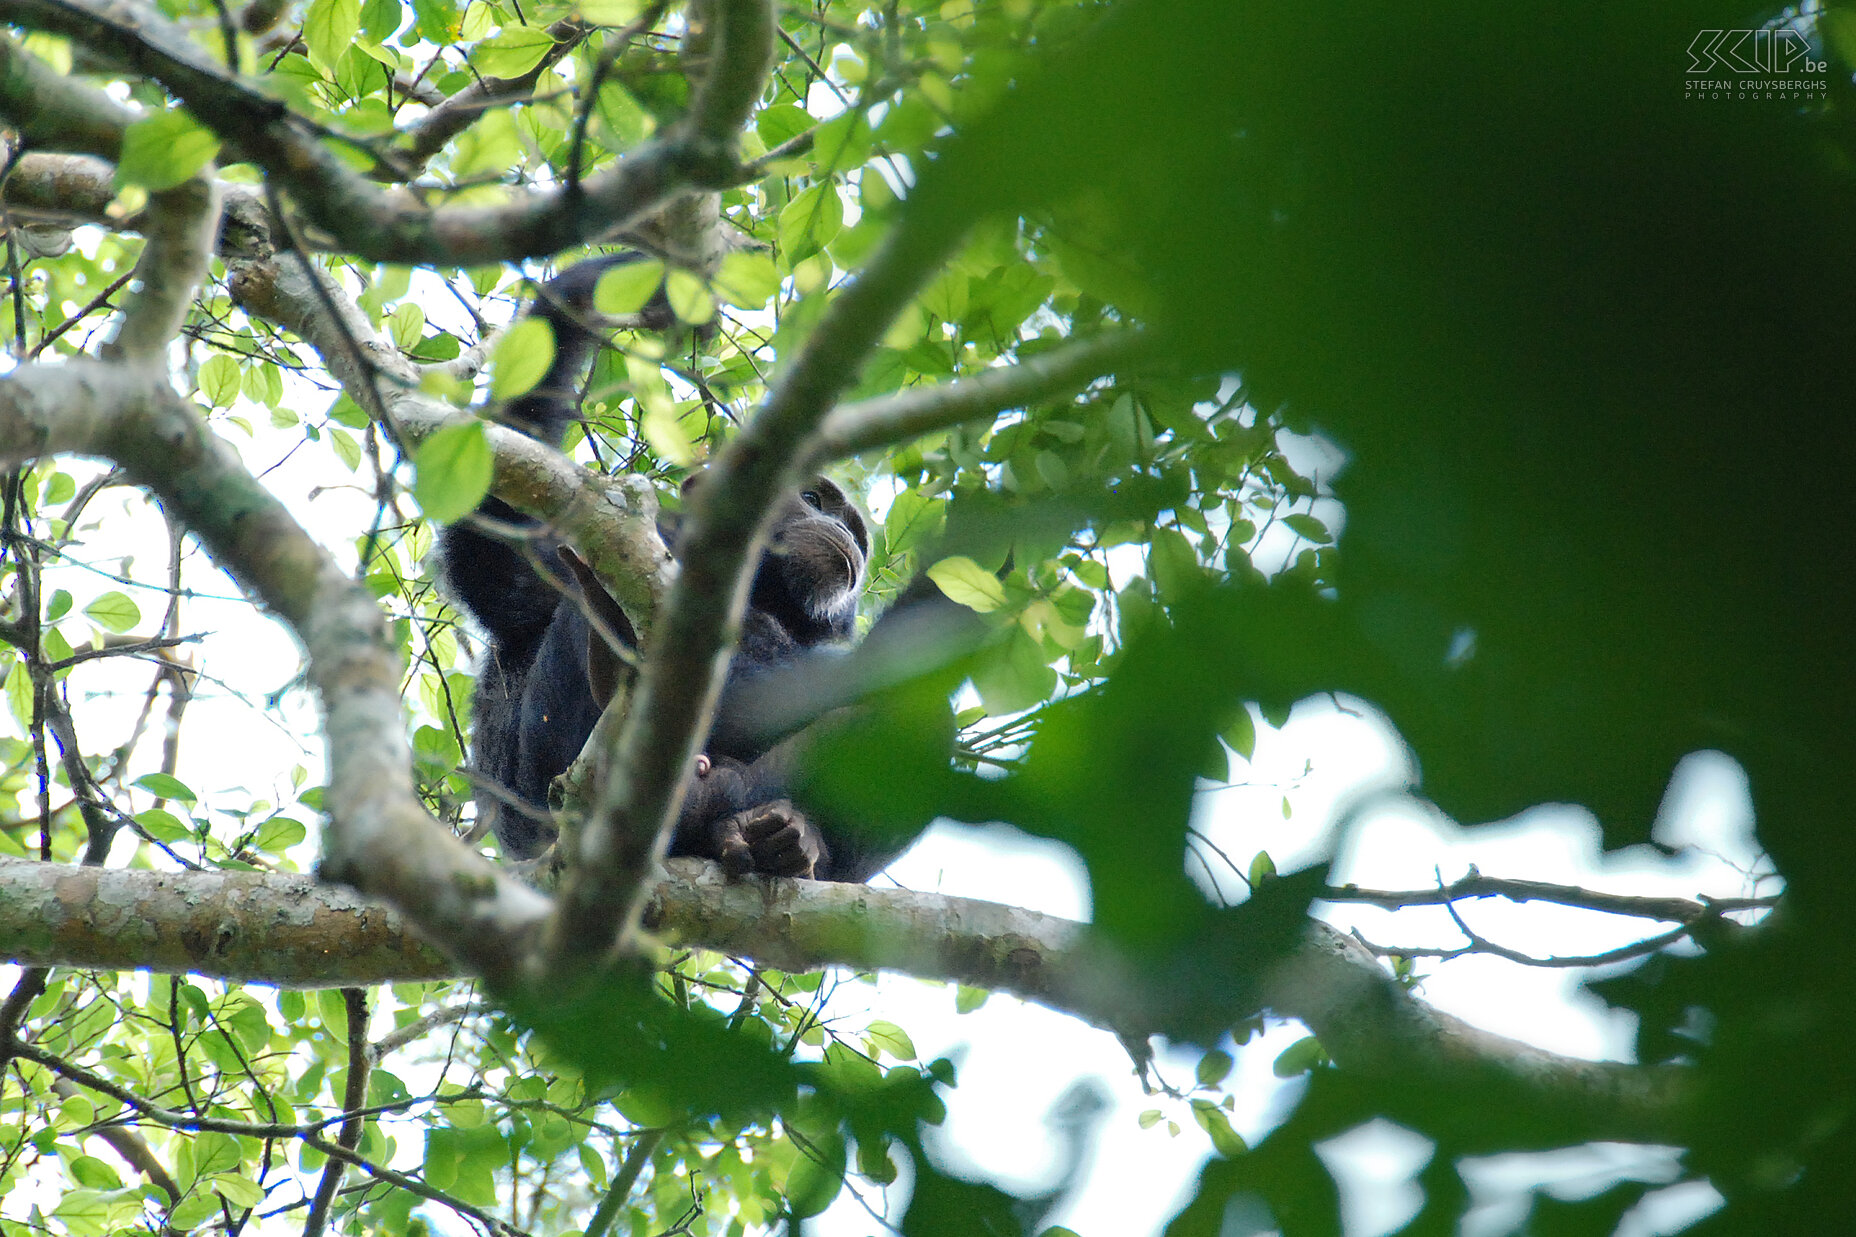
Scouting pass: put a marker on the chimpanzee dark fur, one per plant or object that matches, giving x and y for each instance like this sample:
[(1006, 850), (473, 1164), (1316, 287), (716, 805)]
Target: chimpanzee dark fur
[(546, 676)]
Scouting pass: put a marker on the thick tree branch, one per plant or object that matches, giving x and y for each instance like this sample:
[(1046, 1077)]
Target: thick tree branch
[(51, 109), (67, 189), (372, 224), (181, 227), (741, 52), (380, 838), (229, 925), (239, 926)]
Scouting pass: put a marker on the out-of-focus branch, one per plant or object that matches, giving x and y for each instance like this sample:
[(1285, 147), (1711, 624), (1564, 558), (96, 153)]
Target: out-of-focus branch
[(741, 56), (51, 109)]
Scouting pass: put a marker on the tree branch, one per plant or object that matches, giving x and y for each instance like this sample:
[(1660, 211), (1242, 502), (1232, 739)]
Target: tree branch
[(920, 410), (380, 838), (180, 229), (1476, 885), (227, 925), (52, 109), (375, 225)]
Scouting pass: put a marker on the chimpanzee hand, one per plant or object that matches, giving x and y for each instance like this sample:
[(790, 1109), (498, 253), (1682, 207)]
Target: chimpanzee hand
[(726, 817)]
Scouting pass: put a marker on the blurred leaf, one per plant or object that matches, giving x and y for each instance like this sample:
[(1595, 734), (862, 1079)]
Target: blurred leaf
[(968, 583), (626, 288), (521, 358), (164, 149)]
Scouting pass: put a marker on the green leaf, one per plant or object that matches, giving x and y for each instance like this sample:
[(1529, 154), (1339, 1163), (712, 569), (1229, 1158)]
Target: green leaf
[(626, 289), (512, 52), (817, 1176), (163, 150), (1213, 1067), (689, 297), (781, 123), (966, 999), (237, 1190), (610, 12), (452, 471), (407, 325), (346, 448), (521, 358), (1262, 867), (1174, 565), (279, 834), (194, 1211), (1241, 734), (1308, 526), (809, 223), (1213, 1120), (968, 583), (1015, 676), (166, 786), (114, 611), (892, 1039), (379, 19), (220, 380), (748, 280), (663, 423), (1300, 1057), (163, 826), (264, 384), (329, 27), (88, 1170)]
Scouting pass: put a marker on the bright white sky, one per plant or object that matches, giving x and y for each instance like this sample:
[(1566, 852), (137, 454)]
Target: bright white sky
[(1018, 1061)]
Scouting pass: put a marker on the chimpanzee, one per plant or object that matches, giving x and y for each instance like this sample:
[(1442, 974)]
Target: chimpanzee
[(548, 672)]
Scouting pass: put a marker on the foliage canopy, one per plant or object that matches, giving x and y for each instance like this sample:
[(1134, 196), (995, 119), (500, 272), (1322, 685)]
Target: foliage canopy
[(1576, 324)]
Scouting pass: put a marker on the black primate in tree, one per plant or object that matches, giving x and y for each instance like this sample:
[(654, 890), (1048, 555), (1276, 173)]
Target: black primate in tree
[(548, 672)]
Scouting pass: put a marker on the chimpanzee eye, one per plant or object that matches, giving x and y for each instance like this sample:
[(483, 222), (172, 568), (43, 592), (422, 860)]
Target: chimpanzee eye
[(812, 499)]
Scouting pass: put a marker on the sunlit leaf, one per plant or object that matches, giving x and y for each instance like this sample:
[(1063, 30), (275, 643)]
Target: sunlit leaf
[(114, 611), (968, 583), (521, 358), (164, 149), (626, 288), (452, 471)]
